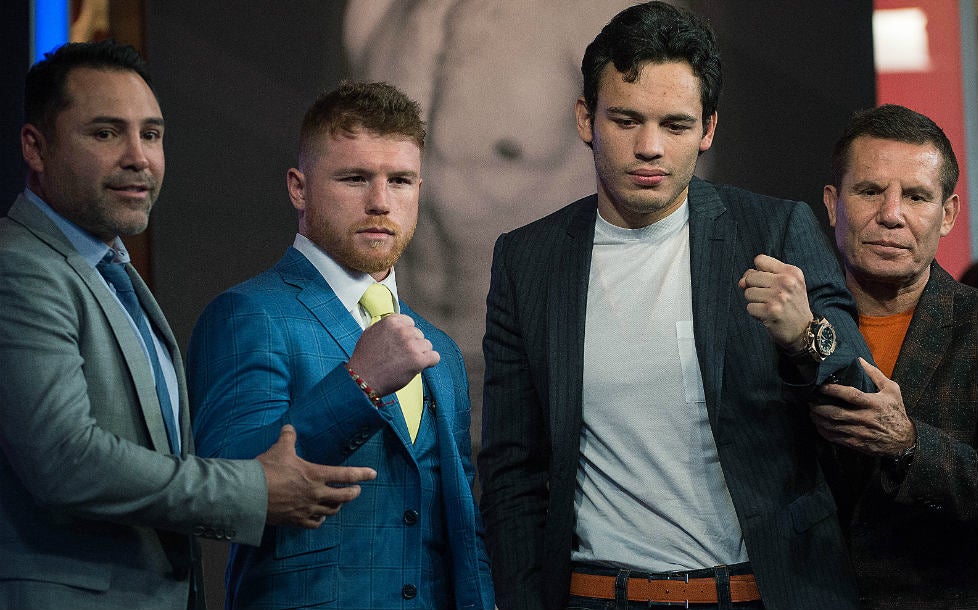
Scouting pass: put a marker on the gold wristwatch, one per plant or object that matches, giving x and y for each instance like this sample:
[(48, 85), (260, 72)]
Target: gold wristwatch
[(820, 340)]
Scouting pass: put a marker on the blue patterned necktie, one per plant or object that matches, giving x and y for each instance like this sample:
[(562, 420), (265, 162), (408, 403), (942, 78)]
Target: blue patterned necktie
[(116, 276)]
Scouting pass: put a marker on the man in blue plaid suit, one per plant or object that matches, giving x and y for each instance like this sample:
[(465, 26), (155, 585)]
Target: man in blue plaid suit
[(300, 344)]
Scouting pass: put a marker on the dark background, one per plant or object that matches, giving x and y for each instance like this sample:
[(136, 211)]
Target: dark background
[(234, 80)]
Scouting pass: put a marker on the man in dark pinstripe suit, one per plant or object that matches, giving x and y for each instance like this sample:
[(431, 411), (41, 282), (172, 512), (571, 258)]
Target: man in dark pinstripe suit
[(649, 354), (912, 504)]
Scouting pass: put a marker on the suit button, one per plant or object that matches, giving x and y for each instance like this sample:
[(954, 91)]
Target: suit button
[(409, 591), (199, 530), (410, 517), (232, 533)]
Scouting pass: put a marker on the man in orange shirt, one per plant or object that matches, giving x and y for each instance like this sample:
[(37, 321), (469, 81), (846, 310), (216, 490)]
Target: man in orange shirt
[(907, 481)]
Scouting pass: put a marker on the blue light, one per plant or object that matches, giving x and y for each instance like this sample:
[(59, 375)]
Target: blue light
[(50, 26)]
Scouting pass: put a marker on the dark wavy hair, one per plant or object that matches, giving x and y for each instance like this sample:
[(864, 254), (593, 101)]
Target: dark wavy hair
[(654, 32)]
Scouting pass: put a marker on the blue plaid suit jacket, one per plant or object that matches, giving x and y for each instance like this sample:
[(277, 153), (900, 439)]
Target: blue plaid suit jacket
[(270, 351)]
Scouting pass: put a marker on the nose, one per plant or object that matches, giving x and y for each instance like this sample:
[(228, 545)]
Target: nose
[(648, 142), (134, 156), (890, 212), (378, 198)]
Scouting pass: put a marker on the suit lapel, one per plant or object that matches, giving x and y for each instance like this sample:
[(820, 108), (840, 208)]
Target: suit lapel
[(133, 356), (318, 297), (711, 244), (927, 338), (165, 334), (567, 287)]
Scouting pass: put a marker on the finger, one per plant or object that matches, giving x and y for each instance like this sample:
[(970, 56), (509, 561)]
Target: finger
[(763, 262), (346, 474), (829, 413), (331, 498), (851, 395), (875, 375), (312, 521), (832, 389)]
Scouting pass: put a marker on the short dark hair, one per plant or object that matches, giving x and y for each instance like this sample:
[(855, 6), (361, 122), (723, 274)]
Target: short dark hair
[(44, 89), (654, 32), (893, 122), (377, 107)]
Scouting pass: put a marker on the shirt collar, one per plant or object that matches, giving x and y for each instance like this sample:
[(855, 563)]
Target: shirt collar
[(348, 285)]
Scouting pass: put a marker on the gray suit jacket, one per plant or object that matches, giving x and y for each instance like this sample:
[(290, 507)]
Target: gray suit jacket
[(534, 349), (94, 511)]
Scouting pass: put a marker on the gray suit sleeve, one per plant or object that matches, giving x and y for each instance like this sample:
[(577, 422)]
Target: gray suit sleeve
[(71, 427)]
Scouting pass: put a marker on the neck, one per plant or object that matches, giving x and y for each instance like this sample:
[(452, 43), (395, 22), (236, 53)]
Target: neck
[(875, 298)]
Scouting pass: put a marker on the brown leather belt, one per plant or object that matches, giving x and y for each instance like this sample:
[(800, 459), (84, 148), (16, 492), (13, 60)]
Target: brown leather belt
[(743, 588)]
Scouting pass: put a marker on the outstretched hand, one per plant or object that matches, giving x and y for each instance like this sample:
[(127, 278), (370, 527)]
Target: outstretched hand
[(874, 423), (777, 297), (301, 493)]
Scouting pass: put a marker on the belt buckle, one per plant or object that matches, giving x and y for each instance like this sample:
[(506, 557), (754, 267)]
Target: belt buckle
[(683, 577)]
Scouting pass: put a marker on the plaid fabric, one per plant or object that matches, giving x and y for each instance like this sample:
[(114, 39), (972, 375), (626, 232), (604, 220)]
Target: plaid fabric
[(269, 352)]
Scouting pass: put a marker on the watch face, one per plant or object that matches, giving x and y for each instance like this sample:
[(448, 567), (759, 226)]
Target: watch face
[(825, 339)]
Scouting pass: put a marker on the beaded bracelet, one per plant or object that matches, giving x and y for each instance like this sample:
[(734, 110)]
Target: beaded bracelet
[(373, 396)]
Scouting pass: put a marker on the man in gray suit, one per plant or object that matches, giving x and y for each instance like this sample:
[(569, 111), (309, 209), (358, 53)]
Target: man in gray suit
[(648, 353), (101, 495)]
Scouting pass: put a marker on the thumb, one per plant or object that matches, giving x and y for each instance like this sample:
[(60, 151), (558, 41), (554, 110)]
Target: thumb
[(874, 374), (286, 439)]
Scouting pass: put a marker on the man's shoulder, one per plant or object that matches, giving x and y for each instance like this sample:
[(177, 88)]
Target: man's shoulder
[(579, 213), (255, 294), (961, 299), (25, 227), (703, 192)]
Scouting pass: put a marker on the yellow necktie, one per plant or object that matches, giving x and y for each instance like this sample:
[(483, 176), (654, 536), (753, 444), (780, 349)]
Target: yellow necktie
[(379, 302)]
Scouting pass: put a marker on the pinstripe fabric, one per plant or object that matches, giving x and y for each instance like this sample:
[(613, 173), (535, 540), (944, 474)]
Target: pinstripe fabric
[(916, 546), (766, 443), (270, 352)]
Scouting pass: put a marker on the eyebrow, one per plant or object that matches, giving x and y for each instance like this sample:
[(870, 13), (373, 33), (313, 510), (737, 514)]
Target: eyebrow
[(157, 121), (363, 170), (913, 189), (678, 117)]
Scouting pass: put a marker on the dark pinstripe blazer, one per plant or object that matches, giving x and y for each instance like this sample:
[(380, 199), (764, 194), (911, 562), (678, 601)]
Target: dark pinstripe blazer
[(915, 545), (532, 407)]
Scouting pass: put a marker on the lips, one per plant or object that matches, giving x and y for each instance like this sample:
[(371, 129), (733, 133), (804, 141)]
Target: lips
[(888, 244), (648, 176), (376, 231), (131, 188), (134, 186)]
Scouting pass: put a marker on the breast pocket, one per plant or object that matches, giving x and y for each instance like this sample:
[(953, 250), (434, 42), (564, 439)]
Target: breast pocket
[(692, 378)]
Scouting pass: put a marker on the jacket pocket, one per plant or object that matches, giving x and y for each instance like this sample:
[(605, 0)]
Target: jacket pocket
[(292, 541), (809, 509)]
